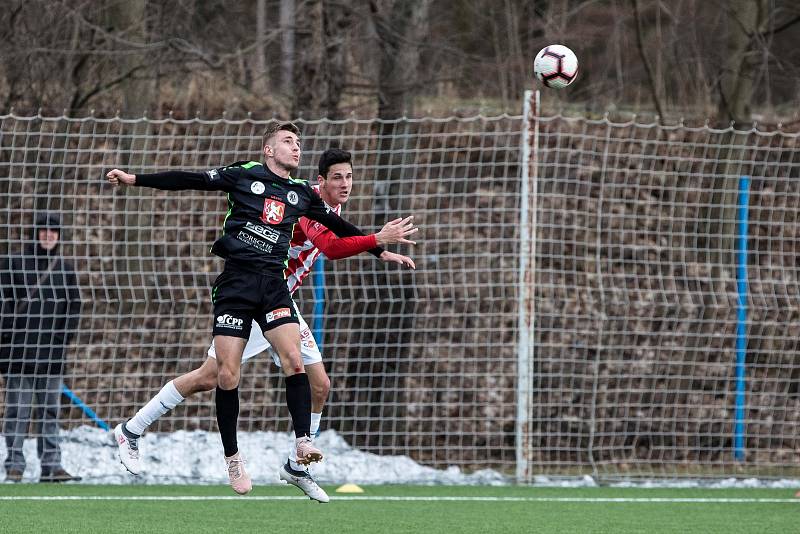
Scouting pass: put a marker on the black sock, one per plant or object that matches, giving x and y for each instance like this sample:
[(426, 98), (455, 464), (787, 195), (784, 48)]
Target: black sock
[(228, 418), (298, 399), (294, 472), (128, 434)]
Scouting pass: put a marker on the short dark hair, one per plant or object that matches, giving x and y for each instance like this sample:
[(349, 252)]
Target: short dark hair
[(275, 127), (331, 157)]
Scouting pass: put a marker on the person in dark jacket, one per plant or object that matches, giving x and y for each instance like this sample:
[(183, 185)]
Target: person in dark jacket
[(40, 314)]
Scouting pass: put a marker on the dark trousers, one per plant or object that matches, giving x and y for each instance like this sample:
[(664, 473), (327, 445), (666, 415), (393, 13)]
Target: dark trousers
[(35, 397)]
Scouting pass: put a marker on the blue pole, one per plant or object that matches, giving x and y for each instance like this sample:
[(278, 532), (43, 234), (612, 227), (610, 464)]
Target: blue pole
[(319, 301), (80, 404), (741, 317)]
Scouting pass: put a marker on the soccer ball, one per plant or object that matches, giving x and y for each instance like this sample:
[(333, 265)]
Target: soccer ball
[(556, 66)]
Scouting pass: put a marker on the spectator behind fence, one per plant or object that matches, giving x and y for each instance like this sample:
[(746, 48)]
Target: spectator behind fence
[(40, 314)]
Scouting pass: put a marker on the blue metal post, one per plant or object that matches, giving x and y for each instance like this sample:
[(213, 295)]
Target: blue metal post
[(319, 301), (741, 317), (76, 400)]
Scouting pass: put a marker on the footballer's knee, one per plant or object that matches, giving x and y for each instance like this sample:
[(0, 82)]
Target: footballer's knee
[(227, 378), (292, 362)]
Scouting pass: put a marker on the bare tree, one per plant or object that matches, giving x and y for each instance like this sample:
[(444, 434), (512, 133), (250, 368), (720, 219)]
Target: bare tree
[(129, 19), (309, 85), (14, 67), (384, 56), (752, 26), (261, 79), (651, 75), (747, 21), (287, 16), (401, 26), (322, 58)]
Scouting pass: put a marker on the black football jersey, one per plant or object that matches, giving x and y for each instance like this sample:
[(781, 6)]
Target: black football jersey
[(262, 211)]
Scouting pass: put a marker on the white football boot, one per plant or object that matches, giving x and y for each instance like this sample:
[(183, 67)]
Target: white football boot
[(128, 450), (304, 481)]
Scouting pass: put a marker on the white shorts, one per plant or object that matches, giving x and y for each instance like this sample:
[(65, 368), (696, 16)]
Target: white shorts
[(258, 344)]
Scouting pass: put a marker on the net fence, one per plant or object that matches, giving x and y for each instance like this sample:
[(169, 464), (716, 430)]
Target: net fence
[(639, 300), (422, 363), (629, 307)]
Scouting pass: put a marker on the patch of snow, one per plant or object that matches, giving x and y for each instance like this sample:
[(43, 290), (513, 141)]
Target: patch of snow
[(195, 457)]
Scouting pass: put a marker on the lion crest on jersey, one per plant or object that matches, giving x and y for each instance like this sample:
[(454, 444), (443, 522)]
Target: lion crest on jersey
[(273, 211)]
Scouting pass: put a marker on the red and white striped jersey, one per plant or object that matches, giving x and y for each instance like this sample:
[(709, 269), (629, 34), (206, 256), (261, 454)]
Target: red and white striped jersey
[(302, 252), (312, 240)]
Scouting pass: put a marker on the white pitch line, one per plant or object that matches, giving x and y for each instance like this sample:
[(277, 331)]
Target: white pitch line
[(398, 498)]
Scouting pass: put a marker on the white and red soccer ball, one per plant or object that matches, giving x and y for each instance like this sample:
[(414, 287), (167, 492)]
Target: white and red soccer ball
[(556, 66)]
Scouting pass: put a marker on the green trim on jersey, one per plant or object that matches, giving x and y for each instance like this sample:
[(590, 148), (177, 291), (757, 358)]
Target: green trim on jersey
[(225, 220), (286, 261), (230, 209), (250, 164), (297, 181), (214, 294)]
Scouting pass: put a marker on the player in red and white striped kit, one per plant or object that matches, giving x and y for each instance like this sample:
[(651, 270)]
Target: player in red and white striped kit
[(310, 241)]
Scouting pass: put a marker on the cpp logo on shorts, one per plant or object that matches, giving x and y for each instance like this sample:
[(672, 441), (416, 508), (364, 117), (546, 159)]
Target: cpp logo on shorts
[(280, 313), (229, 321)]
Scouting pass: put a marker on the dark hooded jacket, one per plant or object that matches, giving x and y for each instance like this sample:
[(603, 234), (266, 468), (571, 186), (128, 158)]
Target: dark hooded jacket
[(39, 310)]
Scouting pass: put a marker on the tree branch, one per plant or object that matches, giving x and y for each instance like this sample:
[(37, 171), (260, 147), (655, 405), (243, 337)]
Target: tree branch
[(99, 88), (784, 26), (648, 68)]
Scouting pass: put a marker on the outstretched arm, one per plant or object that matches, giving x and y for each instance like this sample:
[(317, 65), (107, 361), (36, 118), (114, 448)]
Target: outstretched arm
[(319, 212), (214, 180), (338, 225), (336, 248)]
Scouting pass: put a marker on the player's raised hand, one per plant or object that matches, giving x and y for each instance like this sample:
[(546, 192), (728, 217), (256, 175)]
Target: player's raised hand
[(391, 257), (117, 177), (396, 231)]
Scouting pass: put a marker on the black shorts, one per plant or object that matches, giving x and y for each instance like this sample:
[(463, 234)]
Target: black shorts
[(240, 296)]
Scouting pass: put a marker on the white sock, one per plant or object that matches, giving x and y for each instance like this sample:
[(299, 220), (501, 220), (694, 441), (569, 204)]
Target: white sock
[(315, 419), (293, 455), (164, 401)]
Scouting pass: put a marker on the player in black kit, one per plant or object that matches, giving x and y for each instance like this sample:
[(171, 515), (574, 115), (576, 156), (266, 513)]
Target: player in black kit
[(264, 204)]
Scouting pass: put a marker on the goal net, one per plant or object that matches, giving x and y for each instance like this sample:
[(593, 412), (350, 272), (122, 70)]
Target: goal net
[(575, 308)]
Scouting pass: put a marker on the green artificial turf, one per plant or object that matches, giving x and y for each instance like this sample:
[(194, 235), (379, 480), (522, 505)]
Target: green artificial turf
[(87, 509)]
